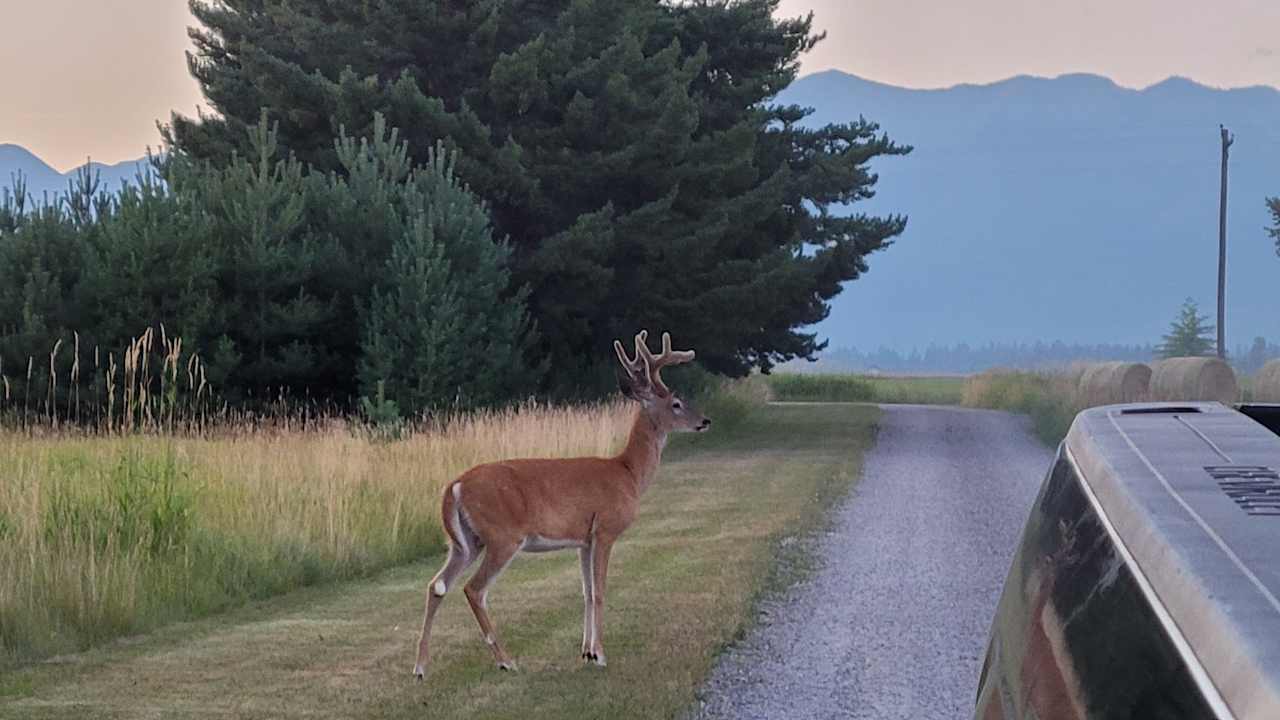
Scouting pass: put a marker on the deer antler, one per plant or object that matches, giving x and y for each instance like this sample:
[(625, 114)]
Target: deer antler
[(655, 364), (636, 368)]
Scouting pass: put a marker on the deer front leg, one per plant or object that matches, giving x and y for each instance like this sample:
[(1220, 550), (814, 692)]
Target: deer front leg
[(588, 615), (600, 550)]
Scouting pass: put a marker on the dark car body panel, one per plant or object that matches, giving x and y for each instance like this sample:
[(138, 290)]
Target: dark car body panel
[(1146, 581)]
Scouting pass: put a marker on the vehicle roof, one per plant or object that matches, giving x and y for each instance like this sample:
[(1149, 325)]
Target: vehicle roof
[(1191, 490)]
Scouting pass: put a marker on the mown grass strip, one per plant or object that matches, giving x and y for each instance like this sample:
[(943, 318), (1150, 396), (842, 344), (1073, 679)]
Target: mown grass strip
[(682, 585)]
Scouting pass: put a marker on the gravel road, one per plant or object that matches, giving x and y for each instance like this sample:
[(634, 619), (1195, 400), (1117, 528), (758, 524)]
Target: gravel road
[(894, 624)]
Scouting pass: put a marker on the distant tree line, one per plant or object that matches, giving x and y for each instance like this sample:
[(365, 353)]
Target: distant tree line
[(564, 173), (1190, 335), (966, 358)]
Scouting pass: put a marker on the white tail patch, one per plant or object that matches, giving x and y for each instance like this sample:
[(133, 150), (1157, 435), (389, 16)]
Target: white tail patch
[(440, 588), (456, 522)]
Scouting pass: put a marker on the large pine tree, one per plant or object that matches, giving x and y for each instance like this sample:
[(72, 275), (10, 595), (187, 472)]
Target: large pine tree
[(631, 150)]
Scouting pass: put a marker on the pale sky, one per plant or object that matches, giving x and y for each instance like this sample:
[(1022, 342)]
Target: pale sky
[(89, 78)]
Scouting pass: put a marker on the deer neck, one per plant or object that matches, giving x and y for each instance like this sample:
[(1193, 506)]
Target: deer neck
[(643, 452)]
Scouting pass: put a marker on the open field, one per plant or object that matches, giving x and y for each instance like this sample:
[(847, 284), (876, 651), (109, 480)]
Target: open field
[(1049, 398), (820, 387), (109, 536), (683, 583)]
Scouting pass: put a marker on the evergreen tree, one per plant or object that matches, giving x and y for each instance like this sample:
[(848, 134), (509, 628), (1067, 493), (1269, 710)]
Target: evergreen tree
[(436, 332), (1189, 335), (283, 278), (42, 266), (149, 262), (276, 308), (630, 150)]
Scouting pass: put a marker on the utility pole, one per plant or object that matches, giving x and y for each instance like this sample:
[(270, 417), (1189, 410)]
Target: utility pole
[(1227, 139)]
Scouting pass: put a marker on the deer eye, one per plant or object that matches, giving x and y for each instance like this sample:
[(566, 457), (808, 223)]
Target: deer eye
[(676, 405)]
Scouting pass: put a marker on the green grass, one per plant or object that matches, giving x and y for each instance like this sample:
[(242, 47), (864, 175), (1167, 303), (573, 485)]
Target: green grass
[(1247, 382), (683, 584), (796, 387), (1048, 398)]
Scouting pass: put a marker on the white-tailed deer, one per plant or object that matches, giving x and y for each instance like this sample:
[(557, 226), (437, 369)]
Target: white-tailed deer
[(502, 508)]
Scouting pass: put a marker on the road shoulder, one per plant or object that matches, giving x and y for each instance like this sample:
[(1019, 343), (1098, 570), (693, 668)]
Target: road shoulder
[(893, 622)]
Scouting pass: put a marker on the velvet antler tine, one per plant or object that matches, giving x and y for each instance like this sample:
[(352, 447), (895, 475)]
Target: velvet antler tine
[(674, 357), (637, 368), (627, 363), (654, 364), (645, 358)]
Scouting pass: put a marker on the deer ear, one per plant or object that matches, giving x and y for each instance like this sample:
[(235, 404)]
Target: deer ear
[(634, 389), (624, 386)]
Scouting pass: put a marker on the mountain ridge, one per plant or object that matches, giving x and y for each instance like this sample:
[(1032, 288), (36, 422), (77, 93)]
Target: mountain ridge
[(1094, 78), (1066, 208), (42, 179)]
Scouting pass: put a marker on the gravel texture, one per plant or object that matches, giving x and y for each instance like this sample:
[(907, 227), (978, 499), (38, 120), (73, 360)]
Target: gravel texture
[(894, 622)]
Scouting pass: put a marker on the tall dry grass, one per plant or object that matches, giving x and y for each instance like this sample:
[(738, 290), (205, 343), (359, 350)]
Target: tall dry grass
[(110, 535), (151, 384), (1051, 399)]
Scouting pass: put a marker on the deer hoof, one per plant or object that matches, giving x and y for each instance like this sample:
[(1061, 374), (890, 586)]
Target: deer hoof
[(508, 665), (419, 673)]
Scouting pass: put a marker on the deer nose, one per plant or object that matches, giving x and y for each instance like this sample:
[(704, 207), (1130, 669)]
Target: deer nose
[(706, 423)]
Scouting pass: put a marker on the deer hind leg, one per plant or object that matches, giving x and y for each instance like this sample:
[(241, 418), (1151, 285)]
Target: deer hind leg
[(496, 558), (461, 556)]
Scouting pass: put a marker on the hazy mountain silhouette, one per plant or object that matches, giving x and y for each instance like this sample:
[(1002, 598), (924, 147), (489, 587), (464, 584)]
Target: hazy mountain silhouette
[(42, 180), (1061, 209)]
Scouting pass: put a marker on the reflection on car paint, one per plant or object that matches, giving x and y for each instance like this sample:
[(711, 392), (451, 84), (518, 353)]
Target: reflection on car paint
[(1074, 636)]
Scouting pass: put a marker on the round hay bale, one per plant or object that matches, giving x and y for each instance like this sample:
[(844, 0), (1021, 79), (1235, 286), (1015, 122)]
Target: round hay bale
[(1266, 384), (1110, 383), (1194, 378)]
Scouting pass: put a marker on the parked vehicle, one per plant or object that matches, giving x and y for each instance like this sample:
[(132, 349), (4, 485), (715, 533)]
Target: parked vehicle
[(1147, 582)]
